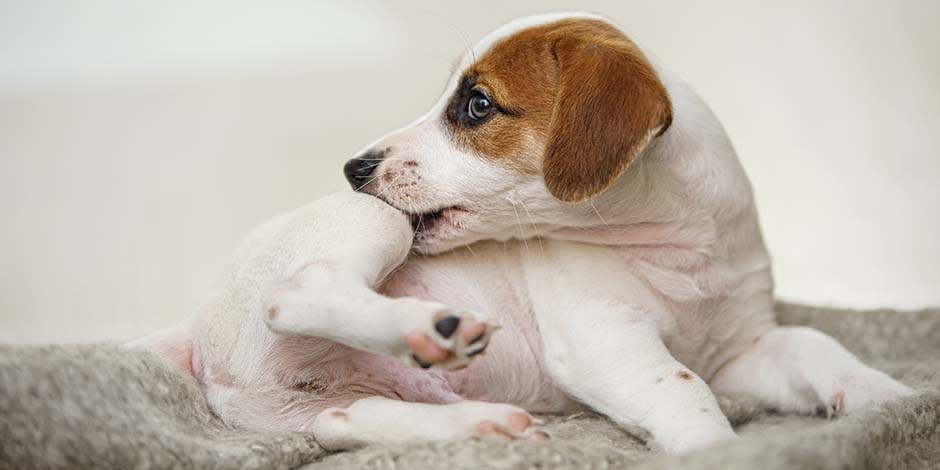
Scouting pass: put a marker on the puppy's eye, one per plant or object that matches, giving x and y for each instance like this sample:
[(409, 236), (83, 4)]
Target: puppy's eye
[(479, 106)]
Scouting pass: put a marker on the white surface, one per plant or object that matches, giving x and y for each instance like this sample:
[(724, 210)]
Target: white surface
[(140, 140)]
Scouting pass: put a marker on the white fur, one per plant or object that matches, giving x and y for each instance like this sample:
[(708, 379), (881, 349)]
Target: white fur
[(380, 420), (630, 304)]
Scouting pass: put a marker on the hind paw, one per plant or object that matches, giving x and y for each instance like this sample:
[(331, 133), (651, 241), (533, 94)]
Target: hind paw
[(452, 343), (864, 390)]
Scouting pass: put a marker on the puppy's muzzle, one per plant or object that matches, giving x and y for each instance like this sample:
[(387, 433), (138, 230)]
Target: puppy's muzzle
[(359, 170)]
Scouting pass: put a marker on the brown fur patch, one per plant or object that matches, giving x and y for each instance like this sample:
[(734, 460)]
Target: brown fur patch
[(685, 375), (580, 103)]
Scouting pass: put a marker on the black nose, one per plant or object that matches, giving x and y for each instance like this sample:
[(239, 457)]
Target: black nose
[(359, 170)]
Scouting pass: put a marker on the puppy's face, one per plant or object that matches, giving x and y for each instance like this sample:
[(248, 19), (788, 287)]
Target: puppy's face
[(545, 114)]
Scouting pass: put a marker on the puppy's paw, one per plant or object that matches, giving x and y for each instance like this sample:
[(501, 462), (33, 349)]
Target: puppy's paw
[(515, 425), (451, 342), (377, 420), (862, 390)]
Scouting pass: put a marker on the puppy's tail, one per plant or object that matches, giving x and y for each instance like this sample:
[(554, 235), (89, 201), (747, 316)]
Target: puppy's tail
[(175, 344)]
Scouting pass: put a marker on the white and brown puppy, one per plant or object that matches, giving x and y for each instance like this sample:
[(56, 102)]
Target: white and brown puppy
[(573, 192)]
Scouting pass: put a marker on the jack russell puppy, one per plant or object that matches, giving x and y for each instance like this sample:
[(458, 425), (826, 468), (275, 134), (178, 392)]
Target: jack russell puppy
[(565, 187)]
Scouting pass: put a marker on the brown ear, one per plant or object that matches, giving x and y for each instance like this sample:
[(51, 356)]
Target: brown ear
[(608, 105)]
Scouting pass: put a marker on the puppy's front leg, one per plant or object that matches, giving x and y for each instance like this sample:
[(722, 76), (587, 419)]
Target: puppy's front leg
[(603, 348)]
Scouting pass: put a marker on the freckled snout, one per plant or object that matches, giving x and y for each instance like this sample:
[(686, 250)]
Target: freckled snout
[(359, 170)]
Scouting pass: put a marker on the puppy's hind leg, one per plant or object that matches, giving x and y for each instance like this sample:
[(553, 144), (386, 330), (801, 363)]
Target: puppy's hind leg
[(377, 420), (335, 304), (329, 293), (802, 370)]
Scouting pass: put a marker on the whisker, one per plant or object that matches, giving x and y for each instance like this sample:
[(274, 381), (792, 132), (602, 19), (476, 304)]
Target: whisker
[(413, 210), (388, 185), (534, 229), (411, 207), (377, 174), (461, 36), (598, 213), (471, 251), (371, 179), (384, 159), (521, 230), (420, 224)]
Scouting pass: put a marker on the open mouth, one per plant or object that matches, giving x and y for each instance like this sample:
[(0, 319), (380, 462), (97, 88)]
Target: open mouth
[(427, 220)]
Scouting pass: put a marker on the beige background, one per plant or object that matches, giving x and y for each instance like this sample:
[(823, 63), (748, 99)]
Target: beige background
[(140, 140)]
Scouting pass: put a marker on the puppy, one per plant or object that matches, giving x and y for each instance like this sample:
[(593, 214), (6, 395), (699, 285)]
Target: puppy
[(571, 191)]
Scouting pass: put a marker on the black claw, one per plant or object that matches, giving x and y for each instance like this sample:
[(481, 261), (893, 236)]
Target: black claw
[(424, 365), (447, 326), (478, 338)]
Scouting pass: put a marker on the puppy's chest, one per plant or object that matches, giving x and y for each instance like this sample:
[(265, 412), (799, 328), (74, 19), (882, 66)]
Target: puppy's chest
[(487, 278), (491, 278)]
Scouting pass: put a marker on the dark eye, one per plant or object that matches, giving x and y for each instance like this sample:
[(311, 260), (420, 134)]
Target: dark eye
[(479, 106)]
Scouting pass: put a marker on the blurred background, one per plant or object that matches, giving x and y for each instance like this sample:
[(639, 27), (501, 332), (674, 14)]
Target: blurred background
[(139, 141)]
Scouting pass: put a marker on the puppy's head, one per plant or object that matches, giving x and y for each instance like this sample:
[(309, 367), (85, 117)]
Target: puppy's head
[(545, 114)]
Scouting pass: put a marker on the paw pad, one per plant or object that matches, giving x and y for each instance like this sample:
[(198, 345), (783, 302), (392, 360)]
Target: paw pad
[(447, 326), (519, 425), (451, 343)]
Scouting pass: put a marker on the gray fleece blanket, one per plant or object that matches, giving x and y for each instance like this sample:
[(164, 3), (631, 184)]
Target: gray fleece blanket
[(104, 406)]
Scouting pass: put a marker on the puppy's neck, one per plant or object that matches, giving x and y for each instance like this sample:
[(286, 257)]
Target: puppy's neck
[(653, 202)]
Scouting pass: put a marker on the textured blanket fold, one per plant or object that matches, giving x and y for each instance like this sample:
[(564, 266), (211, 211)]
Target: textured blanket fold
[(104, 406)]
